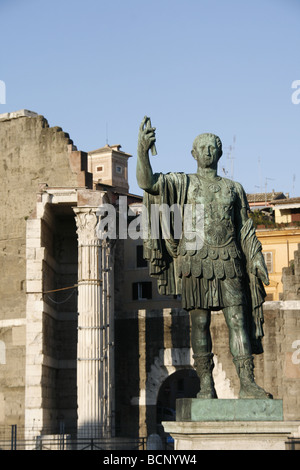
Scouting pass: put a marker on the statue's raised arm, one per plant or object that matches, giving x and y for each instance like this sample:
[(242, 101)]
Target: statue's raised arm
[(146, 141)]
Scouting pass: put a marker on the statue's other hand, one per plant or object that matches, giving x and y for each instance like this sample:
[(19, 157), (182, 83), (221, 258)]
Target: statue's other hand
[(146, 135), (259, 269)]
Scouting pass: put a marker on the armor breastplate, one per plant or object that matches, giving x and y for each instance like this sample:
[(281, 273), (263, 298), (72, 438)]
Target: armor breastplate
[(218, 224), (217, 198), (217, 254)]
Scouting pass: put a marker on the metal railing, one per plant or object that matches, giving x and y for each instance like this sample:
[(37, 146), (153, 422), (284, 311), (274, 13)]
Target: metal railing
[(18, 438)]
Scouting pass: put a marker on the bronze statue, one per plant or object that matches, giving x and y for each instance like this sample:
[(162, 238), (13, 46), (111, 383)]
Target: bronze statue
[(226, 271)]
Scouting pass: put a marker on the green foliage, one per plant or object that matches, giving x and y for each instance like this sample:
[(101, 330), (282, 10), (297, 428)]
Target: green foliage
[(261, 218)]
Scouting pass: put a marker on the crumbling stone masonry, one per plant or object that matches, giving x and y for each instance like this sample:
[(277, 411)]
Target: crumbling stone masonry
[(32, 155), (291, 278)]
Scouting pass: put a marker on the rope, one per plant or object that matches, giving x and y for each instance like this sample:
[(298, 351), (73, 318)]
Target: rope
[(62, 288), (62, 301), (99, 282)]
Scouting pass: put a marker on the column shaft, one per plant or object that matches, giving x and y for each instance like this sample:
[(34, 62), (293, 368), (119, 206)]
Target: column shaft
[(94, 317)]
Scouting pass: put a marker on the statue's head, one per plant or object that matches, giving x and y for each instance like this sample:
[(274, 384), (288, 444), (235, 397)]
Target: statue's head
[(207, 150)]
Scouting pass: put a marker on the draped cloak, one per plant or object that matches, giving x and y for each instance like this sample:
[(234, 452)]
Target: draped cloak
[(229, 268)]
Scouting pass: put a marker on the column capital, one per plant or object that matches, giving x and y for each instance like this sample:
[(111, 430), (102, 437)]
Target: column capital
[(86, 219)]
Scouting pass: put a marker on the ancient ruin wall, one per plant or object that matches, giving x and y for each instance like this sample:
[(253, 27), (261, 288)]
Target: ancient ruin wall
[(32, 154)]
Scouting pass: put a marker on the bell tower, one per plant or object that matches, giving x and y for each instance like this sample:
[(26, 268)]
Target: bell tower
[(109, 167)]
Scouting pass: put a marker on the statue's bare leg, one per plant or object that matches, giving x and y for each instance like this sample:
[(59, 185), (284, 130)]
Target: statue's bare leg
[(202, 347), (239, 341), (240, 348)]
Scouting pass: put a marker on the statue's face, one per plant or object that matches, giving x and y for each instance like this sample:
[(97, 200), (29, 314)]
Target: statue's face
[(206, 152)]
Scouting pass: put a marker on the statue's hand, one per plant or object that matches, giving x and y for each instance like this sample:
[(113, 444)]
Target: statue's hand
[(146, 137), (259, 268)]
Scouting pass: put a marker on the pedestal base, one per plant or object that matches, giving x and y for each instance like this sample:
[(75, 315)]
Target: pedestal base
[(231, 425), (232, 435)]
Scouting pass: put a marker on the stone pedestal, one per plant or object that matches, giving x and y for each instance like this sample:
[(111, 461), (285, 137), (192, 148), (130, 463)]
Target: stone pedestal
[(231, 425)]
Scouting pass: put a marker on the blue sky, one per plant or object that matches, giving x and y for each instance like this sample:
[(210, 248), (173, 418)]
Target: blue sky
[(95, 68)]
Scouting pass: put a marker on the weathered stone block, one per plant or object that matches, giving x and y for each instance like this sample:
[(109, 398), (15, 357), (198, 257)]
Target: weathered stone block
[(34, 286), (246, 435)]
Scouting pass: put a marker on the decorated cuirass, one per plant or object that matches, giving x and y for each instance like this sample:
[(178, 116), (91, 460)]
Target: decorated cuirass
[(217, 254)]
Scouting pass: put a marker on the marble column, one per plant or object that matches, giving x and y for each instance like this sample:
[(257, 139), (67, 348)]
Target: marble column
[(95, 381)]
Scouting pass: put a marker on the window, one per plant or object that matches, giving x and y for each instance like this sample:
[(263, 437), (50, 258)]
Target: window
[(99, 168), (141, 290), (140, 261), (268, 256), (2, 353), (118, 169)]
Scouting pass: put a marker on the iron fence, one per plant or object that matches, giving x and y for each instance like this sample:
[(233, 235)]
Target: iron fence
[(19, 438)]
